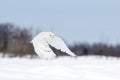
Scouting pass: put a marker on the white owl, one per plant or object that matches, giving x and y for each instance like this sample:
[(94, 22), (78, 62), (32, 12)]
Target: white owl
[(44, 40)]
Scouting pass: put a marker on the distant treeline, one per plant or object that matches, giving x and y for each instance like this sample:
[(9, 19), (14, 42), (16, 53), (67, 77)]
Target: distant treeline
[(15, 42), (100, 49)]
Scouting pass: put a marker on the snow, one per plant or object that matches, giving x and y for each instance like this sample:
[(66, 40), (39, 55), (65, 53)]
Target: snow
[(63, 68)]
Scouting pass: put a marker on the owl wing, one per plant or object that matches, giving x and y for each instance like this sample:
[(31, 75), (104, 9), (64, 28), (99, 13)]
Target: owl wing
[(42, 50), (59, 44)]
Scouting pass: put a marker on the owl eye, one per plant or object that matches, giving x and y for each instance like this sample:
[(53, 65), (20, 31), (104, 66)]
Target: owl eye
[(50, 35)]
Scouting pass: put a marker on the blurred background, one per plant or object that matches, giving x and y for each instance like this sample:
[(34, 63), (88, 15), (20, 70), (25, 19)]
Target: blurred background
[(89, 27)]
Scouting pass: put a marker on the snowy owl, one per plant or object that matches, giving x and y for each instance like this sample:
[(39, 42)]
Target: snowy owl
[(47, 45)]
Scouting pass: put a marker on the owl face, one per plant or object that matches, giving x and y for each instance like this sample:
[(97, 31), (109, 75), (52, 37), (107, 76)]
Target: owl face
[(48, 36), (51, 35)]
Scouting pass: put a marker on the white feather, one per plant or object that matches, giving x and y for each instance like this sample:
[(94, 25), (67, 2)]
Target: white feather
[(59, 44), (41, 44)]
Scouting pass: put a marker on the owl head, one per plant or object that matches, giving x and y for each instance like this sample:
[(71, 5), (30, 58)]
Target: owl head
[(47, 35), (44, 36)]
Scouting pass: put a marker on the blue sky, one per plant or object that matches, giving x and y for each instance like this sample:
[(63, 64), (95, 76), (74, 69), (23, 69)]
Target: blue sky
[(74, 20)]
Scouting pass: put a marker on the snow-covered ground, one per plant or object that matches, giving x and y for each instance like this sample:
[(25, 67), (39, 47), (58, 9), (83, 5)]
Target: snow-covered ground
[(64, 68)]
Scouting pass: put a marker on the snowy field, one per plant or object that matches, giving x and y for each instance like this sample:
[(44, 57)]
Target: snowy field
[(64, 68)]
